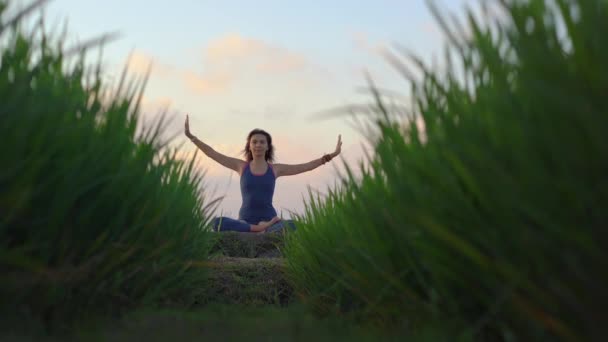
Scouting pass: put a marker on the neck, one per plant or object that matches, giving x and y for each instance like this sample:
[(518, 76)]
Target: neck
[(258, 160)]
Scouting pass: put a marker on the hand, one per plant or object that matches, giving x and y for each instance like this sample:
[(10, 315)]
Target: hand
[(187, 129), (338, 146)]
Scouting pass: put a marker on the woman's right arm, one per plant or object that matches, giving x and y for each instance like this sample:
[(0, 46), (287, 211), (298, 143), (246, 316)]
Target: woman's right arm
[(229, 162)]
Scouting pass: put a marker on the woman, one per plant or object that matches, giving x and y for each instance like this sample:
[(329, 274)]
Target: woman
[(258, 175)]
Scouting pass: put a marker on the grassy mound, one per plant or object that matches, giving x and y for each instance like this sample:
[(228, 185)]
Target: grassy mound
[(248, 245), (246, 282)]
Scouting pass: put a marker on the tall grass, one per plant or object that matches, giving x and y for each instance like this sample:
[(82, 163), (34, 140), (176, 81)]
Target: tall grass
[(488, 224), (97, 213)]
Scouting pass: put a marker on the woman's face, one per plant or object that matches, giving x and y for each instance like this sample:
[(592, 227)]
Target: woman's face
[(258, 145)]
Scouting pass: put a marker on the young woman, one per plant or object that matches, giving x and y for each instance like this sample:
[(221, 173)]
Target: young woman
[(258, 175)]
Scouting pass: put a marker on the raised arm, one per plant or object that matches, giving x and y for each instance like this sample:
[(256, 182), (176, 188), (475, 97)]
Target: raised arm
[(229, 162), (290, 170)]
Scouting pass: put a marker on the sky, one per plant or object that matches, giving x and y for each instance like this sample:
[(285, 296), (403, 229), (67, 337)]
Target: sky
[(233, 66)]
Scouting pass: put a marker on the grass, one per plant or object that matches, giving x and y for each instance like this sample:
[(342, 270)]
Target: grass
[(488, 221), (485, 224), (97, 212), (247, 281), (235, 244), (219, 322)]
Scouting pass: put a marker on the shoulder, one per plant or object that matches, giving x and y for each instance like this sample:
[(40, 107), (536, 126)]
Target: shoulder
[(275, 169), (242, 166)]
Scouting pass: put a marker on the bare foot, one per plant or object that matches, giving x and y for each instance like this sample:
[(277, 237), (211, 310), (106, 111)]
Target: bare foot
[(263, 225), (271, 222)]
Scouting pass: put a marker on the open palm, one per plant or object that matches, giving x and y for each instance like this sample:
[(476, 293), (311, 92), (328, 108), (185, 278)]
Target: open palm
[(338, 145), (187, 128)]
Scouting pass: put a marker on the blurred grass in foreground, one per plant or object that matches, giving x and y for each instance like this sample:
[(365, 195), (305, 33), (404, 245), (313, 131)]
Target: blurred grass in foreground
[(97, 214), (489, 223), (219, 323)]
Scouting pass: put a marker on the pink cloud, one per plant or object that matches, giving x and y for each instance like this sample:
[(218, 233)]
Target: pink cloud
[(208, 83), (235, 51), (361, 42), (151, 104), (232, 46), (227, 60), (139, 63), (285, 64), (232, 58)]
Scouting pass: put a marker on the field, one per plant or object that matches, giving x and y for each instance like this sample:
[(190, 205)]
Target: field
[(478, 218)]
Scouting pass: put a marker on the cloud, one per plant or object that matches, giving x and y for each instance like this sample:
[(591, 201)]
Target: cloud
[(279, 111), (212, 83), (139, 63), (235, 51), (155, 104), (227, 60), (286, 63), (232, 46), (361, 42), (232, 58)]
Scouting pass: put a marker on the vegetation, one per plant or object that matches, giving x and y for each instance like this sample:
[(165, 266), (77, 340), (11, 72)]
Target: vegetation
[(478, 217), (97, 214), (488, 223)]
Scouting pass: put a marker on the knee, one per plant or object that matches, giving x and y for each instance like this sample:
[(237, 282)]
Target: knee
[(289, 224), (216, 223)]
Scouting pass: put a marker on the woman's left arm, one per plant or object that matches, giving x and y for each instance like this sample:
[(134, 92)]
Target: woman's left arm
[(290, 170)]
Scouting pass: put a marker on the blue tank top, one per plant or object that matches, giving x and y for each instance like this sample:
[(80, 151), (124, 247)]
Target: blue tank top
[(257, 192)]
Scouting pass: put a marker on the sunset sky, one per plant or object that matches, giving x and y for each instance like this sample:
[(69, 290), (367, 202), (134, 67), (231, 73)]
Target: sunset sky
[(238, 65)]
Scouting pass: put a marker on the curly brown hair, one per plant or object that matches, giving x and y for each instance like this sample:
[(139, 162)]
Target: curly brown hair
[(269, 154)]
